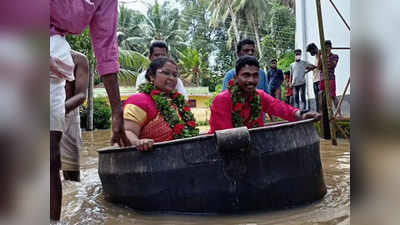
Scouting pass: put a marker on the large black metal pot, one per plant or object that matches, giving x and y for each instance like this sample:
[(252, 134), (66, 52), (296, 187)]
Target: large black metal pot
[(232, 171)]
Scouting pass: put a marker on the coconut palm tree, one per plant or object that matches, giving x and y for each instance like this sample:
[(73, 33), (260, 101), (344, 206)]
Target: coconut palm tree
[(255, 13), (128, 27), (131, 64), (281, 31), (192, 65), (220, 10), (289, 3), (160, 23), (244, 15), (131, 58)]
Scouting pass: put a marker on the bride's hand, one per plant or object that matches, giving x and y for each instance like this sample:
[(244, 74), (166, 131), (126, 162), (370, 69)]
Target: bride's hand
[(144, 144)]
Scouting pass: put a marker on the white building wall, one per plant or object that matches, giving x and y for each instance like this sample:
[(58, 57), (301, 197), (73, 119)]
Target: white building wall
[(334, 29)]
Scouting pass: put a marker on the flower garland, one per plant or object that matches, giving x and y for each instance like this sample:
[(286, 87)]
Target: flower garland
[(238, 101), (182, 128)]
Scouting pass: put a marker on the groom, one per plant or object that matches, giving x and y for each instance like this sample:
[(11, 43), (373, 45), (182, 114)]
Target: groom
[(242, 104)]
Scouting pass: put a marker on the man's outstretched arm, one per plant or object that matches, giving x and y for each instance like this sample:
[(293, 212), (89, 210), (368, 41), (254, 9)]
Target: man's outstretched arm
[(103, 31), (110, 82)]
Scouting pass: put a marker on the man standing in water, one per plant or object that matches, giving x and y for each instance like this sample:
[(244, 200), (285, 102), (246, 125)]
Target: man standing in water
[(71, 139), (72, 17)]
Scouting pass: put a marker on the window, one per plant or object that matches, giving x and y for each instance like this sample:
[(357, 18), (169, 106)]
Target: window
[(192, 103)]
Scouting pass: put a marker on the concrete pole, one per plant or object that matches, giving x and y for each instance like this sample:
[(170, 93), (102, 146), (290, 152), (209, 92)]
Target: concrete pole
[(305, 56), (325, 71)]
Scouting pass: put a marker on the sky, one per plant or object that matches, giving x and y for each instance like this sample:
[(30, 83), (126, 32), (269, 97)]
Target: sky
[(143, 5)]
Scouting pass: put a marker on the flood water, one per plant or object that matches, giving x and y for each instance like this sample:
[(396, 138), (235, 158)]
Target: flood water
[(84, 203)]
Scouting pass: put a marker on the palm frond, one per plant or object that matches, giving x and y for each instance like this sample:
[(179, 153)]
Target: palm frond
[(127, 77), (133, 60)]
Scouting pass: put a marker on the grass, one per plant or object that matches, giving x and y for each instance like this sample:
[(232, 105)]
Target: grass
[(197, 90)]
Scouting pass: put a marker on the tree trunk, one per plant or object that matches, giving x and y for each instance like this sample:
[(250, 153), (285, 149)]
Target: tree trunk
[(253, 23), (234, 24)]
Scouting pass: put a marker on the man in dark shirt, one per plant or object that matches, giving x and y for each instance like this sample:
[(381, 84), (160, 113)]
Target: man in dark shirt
[(275, 79)]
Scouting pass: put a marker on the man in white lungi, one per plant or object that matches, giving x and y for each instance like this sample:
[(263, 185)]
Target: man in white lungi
[(73, 17)]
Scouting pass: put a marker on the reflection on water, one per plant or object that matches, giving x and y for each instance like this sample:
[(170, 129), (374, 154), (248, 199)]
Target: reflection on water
[(83, 203)]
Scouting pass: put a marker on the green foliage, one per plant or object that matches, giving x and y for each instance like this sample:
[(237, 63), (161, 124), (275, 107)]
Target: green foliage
[(203, 123), (282, 27), (269, 50), (285, 61), (192, 65), (225, 56), (161, 22), (195, 22), (131, 49), (213, 80), (269, 23), (82, 43), (101, 114), (129, 25), (281, 32), (240, 18), (132, 63)]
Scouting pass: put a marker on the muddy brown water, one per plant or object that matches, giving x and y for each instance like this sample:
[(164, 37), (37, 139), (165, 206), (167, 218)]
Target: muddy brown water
[(84, 203)]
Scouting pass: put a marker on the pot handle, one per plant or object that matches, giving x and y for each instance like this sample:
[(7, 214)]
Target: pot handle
[(235, 139)]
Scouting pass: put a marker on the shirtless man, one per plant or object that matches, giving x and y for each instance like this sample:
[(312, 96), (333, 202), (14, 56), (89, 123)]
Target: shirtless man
[(70, 144)]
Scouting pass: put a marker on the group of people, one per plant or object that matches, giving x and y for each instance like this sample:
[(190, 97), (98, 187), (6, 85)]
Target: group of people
[(159, 112), (318, 75), (295, 78)]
